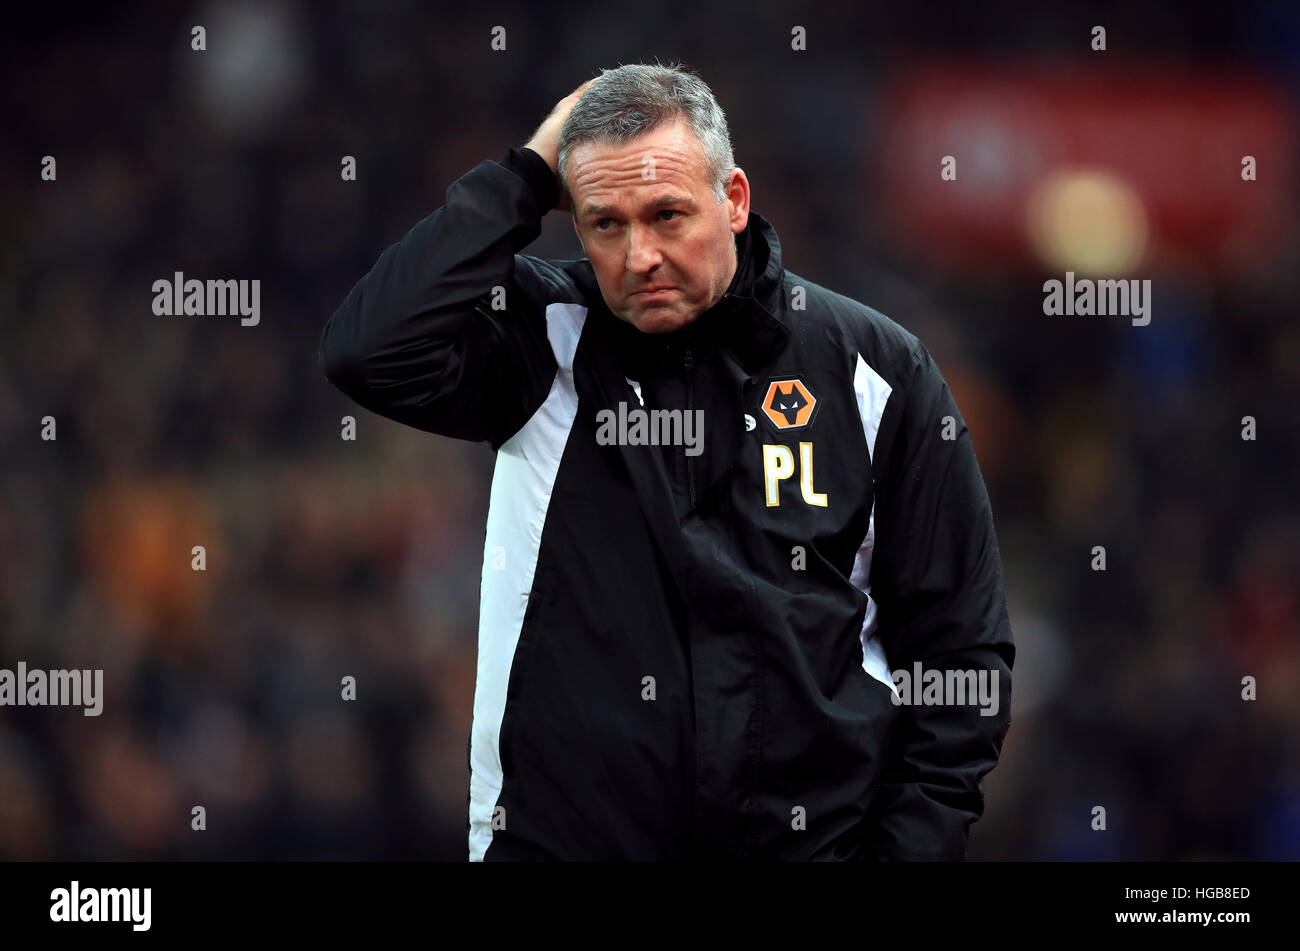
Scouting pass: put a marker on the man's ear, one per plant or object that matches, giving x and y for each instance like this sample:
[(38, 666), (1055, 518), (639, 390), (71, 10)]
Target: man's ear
[(738, 192)]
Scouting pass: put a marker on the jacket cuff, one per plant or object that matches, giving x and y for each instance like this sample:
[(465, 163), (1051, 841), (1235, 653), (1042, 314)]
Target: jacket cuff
[(532, 168)]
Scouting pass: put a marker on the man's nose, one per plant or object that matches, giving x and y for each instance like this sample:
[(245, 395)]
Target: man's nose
[(642, 250)]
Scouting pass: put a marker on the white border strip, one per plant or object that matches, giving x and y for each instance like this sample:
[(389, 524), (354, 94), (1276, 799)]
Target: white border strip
[(873, 393), (526, 468)]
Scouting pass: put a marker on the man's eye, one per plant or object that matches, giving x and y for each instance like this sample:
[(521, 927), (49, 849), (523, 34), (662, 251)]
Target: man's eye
[(598, 222), (668, 211)]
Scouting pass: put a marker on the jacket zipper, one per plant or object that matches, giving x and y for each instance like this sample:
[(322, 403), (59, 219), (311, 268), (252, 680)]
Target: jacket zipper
[(690, 408)]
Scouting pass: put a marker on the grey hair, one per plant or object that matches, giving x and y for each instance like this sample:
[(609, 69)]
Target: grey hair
[(629, 101)]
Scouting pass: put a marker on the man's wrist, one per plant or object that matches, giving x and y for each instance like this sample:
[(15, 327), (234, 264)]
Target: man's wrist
[(532, 168)]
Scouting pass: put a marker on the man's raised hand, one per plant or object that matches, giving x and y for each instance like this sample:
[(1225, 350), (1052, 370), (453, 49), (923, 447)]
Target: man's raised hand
[(546, 140)]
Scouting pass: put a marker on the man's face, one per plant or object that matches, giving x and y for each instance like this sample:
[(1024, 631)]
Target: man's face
[(647, 217)]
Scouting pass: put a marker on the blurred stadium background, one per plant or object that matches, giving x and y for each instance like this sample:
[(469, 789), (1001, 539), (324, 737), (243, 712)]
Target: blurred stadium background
[(329, 558)]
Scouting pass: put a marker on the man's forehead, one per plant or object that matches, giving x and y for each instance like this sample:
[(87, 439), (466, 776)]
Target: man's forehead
[(612, 201), (668, 155)]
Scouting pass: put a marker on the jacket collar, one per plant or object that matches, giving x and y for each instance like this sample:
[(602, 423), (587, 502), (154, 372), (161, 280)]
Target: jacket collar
[(747, 320)]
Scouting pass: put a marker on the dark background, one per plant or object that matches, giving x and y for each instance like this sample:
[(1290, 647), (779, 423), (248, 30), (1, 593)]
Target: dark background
[(328, 558)]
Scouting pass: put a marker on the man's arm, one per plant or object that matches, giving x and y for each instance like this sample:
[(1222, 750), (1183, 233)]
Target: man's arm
[(418, 339), (937, 582)]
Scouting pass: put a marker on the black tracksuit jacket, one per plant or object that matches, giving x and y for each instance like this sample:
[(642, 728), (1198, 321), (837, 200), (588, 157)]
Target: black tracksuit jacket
[(686, 654)]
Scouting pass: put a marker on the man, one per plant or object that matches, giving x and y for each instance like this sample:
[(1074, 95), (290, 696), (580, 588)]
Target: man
[(723, 506)]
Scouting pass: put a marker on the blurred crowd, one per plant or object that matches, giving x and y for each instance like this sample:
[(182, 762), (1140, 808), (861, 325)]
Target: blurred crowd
[(328, 558)]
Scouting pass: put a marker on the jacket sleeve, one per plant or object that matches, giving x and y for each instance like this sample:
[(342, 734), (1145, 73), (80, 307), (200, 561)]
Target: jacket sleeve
[(937, 582), (419, 340)]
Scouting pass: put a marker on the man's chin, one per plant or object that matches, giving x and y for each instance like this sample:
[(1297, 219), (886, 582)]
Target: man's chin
[(659, 320)]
